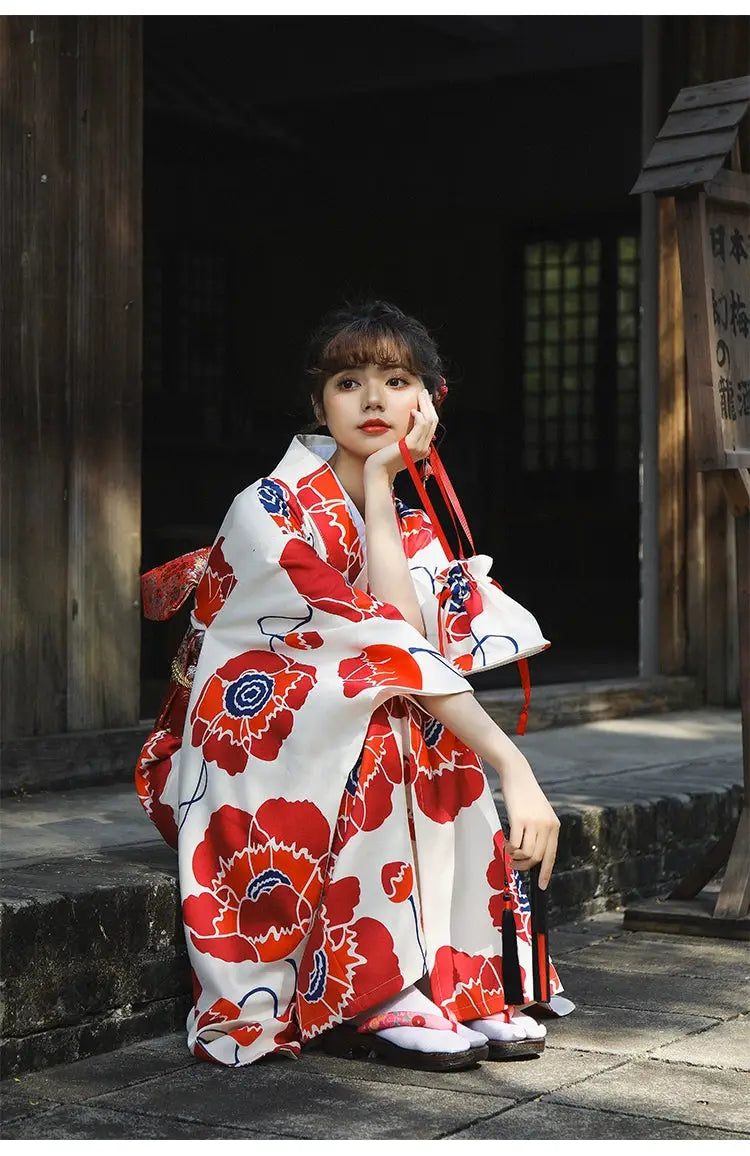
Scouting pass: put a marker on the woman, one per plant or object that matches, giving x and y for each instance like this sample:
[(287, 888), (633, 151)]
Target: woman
[(342, 867)]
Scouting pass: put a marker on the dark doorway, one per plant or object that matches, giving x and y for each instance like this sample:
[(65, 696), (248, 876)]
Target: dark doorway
[(291, 162)]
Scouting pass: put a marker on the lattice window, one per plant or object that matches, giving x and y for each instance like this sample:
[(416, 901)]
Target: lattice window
[(580, 340), (628, 437)]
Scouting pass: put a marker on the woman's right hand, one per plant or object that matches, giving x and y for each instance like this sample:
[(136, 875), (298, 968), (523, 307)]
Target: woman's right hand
[(418, 441)]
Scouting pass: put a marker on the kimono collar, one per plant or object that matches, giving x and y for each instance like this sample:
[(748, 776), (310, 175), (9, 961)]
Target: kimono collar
[(306, 453)]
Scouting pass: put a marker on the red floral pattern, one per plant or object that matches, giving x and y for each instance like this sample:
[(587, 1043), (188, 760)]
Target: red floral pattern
[(398, 881), (215, 586), (366, 801), (324, 588), (467, 987), (262, 877), (377, 666), (447, 775), (211, 1023), (500, 869), (460, 603), (344, 961), (247, 708), (416, 529), (322, 497), (151, 773), (303, 640)]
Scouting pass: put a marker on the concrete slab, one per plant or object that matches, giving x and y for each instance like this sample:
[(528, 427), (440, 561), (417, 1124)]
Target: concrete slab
[(514, 1080), (621, 1032), (90, 1122), (687, 956), (706, 1097), (723, 1046), (591, 987), (98, 1074), (289, 1098), (16, 1102), (547, 1121), (629, 744), (73, 823)]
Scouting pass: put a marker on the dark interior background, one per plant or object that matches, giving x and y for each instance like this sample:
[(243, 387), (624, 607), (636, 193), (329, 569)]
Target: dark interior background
[(291, 162)]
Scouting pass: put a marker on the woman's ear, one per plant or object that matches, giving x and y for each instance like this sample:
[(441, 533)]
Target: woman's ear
[(317, 409)]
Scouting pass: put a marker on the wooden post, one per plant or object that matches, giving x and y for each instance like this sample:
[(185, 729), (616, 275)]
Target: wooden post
[(105, 394), (672, 417), (71, 90), (712, 206), (37, 80)]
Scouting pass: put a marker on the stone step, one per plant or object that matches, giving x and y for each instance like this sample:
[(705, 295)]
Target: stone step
[(90, 929), (90, 758)]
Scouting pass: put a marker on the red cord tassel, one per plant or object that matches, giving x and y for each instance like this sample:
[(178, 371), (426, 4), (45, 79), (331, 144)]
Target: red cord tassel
[(523, 670)]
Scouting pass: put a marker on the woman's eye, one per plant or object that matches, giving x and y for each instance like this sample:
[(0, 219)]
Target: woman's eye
[(398, 381), (348, 383)]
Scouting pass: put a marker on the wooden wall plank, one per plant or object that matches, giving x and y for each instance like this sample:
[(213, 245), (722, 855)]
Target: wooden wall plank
[(105, 397), (37, 79)]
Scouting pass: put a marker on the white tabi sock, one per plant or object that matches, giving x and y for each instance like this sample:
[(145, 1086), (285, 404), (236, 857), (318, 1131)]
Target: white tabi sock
[(517, 1027), (422, 1039)]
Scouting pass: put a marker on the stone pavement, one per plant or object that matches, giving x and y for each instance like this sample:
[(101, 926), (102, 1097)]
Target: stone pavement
[(658, 1048)]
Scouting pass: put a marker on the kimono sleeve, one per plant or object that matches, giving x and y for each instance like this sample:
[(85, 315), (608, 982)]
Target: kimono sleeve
[(468, 617), (285, 601)]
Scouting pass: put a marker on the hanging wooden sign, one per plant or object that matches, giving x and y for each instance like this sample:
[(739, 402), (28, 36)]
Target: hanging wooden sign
[(714, 238)]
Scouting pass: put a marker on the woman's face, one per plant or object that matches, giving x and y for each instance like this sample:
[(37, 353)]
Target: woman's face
[(369, 407)]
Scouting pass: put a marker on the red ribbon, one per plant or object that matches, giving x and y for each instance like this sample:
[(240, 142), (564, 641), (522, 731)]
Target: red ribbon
[(453, 506)]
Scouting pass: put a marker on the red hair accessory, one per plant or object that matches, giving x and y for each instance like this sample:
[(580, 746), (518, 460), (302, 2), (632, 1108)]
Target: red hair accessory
[(442, 392)]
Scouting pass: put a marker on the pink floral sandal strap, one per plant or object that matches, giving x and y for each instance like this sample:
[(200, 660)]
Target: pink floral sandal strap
[(406, 1019)]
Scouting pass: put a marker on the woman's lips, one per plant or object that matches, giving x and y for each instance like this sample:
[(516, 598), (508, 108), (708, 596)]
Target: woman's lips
[(377, 427)]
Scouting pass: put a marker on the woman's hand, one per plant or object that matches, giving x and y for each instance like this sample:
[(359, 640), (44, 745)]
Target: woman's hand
[(534, 826), (418, 440)]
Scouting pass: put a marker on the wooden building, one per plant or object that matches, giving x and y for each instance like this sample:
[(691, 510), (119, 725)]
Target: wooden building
[(183, 197)]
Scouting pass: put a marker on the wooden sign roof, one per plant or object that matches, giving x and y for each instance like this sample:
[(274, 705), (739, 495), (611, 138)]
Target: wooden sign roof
[(696, 137)]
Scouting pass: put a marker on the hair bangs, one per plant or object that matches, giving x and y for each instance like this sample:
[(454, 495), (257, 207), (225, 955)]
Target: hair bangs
[(367, 345)]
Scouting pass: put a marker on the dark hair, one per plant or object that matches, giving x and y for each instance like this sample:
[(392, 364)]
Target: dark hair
[(371, 333)]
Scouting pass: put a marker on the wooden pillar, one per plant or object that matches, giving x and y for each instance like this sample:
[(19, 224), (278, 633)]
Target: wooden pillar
[(698, 599), (71, 390)]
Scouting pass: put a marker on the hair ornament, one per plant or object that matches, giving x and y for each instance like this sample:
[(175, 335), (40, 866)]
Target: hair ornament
[(441, 392)]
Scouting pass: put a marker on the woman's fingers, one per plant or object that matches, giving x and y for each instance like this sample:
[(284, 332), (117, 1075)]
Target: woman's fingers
[(530, 844), (548, 860), (419, 439)]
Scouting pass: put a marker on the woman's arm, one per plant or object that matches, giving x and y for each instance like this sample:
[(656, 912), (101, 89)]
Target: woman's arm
[(387, 565), (534, 826)]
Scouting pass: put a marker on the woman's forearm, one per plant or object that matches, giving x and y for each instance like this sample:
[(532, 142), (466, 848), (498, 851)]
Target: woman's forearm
[(469, 722), (534, 826), (387, 568)]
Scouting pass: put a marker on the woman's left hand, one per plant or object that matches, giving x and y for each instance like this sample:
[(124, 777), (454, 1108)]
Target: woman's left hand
[(418, 440), (534, 826)]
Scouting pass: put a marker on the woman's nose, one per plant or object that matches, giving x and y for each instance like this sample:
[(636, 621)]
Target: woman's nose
[(373, 395)]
